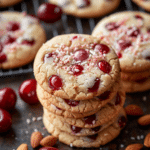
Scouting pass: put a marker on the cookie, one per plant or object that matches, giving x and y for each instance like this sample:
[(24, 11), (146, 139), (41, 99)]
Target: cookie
[(101, 138), (87, 8), (6, 3), (21, 36), (145, 4), (128, 33), (76, 66)]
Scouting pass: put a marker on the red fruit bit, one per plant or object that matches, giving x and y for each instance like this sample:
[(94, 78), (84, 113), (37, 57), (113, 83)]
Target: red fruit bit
[(104, 66), (76, 69), (28, 42), (104, 95), (1, 47), (5, 120), (95, 86), (122, 121), (117, 99), (112, 26), (74, 37), (72, 103), (7, 98), (55, 82), (84, 3), (48, 148), (139, 17), (119, 55), (9, 39), (93, 137), (49, 13), (27, 91), (81, 55), (123, 44), (3, 57), (90, 119), (133, 31), (12, 26), (104, 49), (96, 129), (75, 129), (148, 30)]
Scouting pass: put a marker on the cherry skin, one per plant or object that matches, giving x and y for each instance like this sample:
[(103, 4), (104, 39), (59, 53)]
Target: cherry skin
[(90, 119), (27, 91), (49, 13), (122, 121), (72, 103), (3, 57), (104, 66), (12, 26), (7, 98), (104, 49), (81, 55), (119, 55), (124, 44), (27, 42), (5, 120), (139, 17), (75, 129), (48, 148), (9, 39), (133, 32), (95, 86), (104, 96), (76, 69)]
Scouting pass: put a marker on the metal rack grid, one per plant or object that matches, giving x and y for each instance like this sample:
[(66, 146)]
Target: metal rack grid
[(67, 24)]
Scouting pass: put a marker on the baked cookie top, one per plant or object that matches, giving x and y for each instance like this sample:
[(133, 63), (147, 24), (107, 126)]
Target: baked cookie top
[(129, 34), (6, 3), (86, 8), (76, 66), (21, 36)]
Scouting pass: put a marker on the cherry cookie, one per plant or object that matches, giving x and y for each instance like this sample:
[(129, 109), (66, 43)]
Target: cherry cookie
[(87, 8), (19, 39), (6, 3), (129, 34), (76, 66)]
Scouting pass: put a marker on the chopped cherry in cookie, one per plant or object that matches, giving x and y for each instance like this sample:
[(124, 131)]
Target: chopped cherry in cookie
[(76, 69), (9, 39), (5, 120), (139, 17), (72, 103), (93, 137), (12, 26), (83, 3), (3, 57), (104, 96), (119, 55), (74, 37), (90, 119), (81, 55), (112, 26), (28, 42), (1, 47), (117, 99), (122, 121), (102, 48), (48, 148), (95, 87), (123, 44), (7, 98), (104, 66), (75, 129), (55, 82), (133, 31), (96, 129)]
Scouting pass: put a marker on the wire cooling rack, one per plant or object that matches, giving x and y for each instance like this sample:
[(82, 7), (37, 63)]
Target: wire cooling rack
[(66, 25)]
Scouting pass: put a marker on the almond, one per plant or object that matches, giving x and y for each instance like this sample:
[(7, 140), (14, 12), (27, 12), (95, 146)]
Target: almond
[(136, 146), (48, 141), (147, 140), (144, 120), (35, 139), (134, 110), (23, 147)]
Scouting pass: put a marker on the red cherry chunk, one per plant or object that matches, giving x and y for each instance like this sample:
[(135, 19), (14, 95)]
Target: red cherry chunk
[(76, 69), (9, 39), (122, 121), (117, 99), (7, 98), (133, 32), (3, 57), (93, 137), (119, 55), (90, 119), (28, 42), (49, 13), (81, 55), (5, 120), (75, 129), (27, 91), (72, 103), (95, 86), (104, 66), (12, 26), (96, 129), (104, 49), (139, 17), (123, 44), (55, 82), (48, 148), (104, 95), (1, 47), (112, 26), (84, 3)]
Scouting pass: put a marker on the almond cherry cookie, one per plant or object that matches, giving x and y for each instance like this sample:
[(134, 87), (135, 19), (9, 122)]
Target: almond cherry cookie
[(129, 34), (76, 66), (87, 8), (19, 39), (6, 3)]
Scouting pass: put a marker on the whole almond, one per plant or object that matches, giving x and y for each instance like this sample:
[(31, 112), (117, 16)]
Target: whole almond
[(144, 120), (147, 140), (35, 139), (134, 110), (23, 147), (48, 141), (136, 146)]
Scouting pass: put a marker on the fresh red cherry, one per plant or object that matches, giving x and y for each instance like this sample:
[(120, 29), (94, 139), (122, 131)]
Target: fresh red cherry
[(3, 57), (96, 129), (95, 87), (117, 99), (104, 95), (49, 13), (72, 103), (55, 82), (93, 137), (12, 26), (75, 129), (104, 66), (28, 42), (90, 119), (123, 44), (84, 3), (48, 148), (119, 55), (7, 98), (27, 91), (112, 26), (1, 47), (139, 17), (122, 121), (133, 32), (81, 55), (9, 39), (76, 69), (5, 120), (104, 49)]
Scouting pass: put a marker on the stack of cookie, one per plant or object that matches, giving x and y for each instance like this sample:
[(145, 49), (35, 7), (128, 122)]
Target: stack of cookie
[(129, 34), (79, 87)]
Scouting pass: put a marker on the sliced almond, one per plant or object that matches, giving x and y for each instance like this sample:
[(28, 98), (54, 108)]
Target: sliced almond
[(147, 140), (23, 147), (144, 120), (136, 146)]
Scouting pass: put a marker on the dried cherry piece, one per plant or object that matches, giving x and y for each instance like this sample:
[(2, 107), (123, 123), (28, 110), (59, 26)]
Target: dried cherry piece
[(139, 17), (90, 119), (104, 49), (117, 99), (123, 44), (48, 148), (72, 103), (81, 55), (76, 69), (133, 31), (12, 26), (104, 66), (119, 55), (96, 129), (9, 39), (28, 42), (1, 47), (3, 57), (95, 86), (76, 129), (104, 95), (122, 121), (112, 26)]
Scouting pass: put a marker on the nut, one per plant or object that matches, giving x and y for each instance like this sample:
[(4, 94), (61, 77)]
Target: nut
[(36, 137), (48, 141), (23, 147), (147, 140), (136, 146), (144, 120)]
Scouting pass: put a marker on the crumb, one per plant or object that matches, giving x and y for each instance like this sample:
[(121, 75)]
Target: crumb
[(28, 121)]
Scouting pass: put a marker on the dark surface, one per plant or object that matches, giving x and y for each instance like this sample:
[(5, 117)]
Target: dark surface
[(21, 130)]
